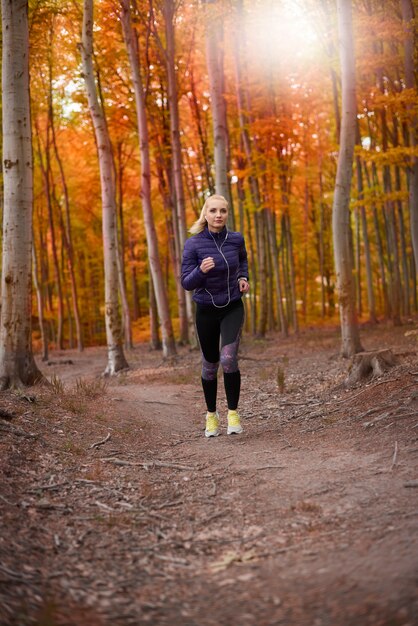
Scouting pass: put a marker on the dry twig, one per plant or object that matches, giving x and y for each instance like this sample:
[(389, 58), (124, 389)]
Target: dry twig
[(17, 431), (264, 467), (48, 487), (149, 464), (395, 454), (101, 442)]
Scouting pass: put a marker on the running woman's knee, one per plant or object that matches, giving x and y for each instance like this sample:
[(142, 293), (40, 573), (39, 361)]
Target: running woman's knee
[(209, 370), (229, 358)]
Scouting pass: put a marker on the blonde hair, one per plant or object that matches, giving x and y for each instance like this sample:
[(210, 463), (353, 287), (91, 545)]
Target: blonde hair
[(200, 223)]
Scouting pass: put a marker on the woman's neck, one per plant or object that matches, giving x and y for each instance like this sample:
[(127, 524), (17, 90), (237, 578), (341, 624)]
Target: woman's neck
[(215, 230)]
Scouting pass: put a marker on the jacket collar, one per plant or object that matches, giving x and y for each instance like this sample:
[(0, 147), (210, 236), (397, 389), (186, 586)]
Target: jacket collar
[(218, 237)]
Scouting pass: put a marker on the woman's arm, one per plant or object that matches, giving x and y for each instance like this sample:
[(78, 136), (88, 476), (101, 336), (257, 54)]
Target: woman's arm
[(191, 274)]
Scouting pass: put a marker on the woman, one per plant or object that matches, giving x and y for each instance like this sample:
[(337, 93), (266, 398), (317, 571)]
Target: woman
[(215, 266)]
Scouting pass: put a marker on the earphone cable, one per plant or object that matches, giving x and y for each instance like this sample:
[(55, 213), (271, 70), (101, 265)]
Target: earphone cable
[(221, 306)]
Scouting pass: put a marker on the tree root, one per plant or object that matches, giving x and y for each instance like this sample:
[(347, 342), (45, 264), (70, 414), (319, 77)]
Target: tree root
[(365, 365)]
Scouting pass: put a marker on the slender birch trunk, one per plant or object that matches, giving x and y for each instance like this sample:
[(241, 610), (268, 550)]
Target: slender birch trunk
[(254, 280), (408, 16), (398, 216), (321, 234), (372, 182), (195, 107), (287, 233), (155, 341), (341, 210), (66, 224), (134, 282), (46, 177), (40, 303), (285, 268), (292, 272), (214, 43), (305, 250), (169, 11), (395, 285), (49, 191), (187, 329), (67, 238), (271, 230), (116, 357), (390, 223), (161, 297), (367, 253), (271, 318), (357, 262), (126, 314), (404, 257), (17, 365), (126, 331), (262, 272)]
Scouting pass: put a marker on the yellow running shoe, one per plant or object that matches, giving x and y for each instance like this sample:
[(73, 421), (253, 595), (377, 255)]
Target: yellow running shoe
[(212, 424), (234, 423)]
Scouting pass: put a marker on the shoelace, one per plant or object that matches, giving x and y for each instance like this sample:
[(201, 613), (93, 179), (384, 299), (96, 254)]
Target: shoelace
[(233, 419), (211, 422)]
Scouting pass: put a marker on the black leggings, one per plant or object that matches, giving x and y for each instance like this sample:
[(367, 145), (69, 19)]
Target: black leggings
[(212, 325)]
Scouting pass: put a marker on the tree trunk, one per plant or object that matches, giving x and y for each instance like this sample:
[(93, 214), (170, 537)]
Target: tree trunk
[(285, 269), (366, 364), (186, 314), (341, 210), (321, 234), (47, 183), (195, 106), (40, 303), (270, 295), (410, 82), (17, 365), (271, 229), (331, 52), (288, 240), (127, 326), (155, 341), (404, 257), (357, 262), (214, 54), (366, 242), (369, 273), (174, 247), (244, 121), (305, 246), (379, 242), (116, 357), (67, 236), (254, 281), (292, 272), (390, 223), (134, 283), (132, 47), (262, 272)]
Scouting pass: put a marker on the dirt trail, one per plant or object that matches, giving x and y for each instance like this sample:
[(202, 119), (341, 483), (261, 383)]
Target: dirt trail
[(308, 517)]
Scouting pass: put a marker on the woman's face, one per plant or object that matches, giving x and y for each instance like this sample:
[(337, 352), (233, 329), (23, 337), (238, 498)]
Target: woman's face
[(216, 216)]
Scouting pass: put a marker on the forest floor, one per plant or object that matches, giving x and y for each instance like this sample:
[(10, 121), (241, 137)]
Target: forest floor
[(116, 510)]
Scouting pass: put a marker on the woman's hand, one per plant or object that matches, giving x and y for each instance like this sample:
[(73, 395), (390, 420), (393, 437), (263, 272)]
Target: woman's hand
[(244, 285), (207, 264)]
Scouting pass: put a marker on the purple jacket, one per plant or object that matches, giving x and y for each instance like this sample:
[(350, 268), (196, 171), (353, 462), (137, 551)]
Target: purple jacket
[(228, 251)]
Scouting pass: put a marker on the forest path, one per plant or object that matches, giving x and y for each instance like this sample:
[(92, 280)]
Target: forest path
[(303, 519)]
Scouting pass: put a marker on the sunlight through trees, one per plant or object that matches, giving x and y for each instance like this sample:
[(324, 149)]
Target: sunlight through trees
[(245, 98)]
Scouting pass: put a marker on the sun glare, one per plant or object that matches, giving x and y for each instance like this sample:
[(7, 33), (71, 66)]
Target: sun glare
[(280, 32)]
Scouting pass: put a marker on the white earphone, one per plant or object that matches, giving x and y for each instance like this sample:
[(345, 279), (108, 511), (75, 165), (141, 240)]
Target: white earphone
[(219, 248)]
